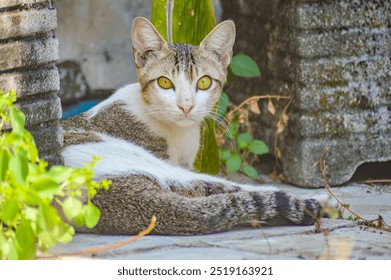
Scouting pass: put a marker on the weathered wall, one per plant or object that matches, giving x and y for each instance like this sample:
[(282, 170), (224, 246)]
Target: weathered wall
[(95, 46), (28, 52), (333, 59)]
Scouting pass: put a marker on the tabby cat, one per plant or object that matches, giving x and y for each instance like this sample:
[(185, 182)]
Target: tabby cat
[(147, 135)]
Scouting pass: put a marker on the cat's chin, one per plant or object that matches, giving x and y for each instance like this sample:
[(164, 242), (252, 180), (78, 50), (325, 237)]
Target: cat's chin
[(185, 122)]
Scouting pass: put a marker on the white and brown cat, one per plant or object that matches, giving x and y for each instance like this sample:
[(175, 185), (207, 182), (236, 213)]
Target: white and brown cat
[(147, 135)]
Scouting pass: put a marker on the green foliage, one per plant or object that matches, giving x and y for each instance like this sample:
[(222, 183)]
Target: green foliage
[(244, 66), (192, 20), (240, 148), (28, 191), (240, 155)]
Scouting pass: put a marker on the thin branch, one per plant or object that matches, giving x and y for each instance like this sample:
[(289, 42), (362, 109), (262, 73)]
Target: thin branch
[(108, 247), (380, 222), (379, 181), (256, 98), (327, 185)]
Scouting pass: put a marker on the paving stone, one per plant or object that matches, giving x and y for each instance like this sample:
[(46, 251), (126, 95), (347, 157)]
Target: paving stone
[(344, 238)]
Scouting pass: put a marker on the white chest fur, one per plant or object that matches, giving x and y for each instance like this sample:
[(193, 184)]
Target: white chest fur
[(183, 142), (183, 145)]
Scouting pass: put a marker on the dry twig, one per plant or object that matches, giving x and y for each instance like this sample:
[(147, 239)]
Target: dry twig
[(105, 248), (375, 223)]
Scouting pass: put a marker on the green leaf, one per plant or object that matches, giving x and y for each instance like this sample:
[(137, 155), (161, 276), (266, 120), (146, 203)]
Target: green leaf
[(19, 166), (71, 208), (251, 172), (224, 154), (233, 163), (9, 249), (223, 104), (45, 186), (244, 140), (17, 120), (59, 173), (258, 147), (92, 215), (4, 161), (192, 20), (232, 131), (26, 240), (79, 220), (9, 211), (244, 66), (208, 159), (68, 235)]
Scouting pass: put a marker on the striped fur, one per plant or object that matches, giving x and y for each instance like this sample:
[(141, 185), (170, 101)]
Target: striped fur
[(147, 145)]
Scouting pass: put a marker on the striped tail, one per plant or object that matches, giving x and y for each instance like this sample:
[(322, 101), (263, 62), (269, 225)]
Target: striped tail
[(126, 208)]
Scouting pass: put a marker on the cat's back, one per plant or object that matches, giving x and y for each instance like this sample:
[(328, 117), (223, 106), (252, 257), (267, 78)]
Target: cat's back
[(119, 117)]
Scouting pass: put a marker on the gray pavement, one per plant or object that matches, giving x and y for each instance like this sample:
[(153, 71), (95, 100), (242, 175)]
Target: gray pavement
[(337, 239)]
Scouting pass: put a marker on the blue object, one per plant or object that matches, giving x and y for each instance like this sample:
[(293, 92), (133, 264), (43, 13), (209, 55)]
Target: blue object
[(78, 108)]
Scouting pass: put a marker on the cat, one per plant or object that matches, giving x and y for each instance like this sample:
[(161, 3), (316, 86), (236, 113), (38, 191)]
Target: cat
[(147, 135)]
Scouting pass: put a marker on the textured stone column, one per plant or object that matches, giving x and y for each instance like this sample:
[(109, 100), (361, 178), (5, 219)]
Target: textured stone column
[(333, 59), (28, 52)]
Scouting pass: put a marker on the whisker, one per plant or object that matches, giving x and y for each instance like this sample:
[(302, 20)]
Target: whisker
[(225, 124)]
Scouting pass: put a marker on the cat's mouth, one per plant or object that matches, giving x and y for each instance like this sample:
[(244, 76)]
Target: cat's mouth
[(186, 120)]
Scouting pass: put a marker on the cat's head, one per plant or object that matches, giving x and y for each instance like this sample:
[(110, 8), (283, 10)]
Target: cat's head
[(181, 83)]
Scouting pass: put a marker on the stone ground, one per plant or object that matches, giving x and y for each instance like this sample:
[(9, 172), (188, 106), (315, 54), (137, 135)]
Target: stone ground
[(338, 239)]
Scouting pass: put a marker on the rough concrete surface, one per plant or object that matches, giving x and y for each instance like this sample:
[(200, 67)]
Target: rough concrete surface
[(333, 59), (28, 52), (338, 239), (95, 35)]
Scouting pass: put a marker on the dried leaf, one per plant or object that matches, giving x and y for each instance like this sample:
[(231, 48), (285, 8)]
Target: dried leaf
[(254, 107), (242, 117), (277, 177), (280, 127), (230, 117), (270, 107), (277, 153), (285, 118)]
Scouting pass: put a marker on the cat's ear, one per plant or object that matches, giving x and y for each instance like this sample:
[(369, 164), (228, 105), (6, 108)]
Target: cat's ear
[(145, 38), (221, 40)]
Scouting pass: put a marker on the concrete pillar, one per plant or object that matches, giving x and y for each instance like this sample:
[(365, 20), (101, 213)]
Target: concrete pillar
[(334, 59), (28, 52)]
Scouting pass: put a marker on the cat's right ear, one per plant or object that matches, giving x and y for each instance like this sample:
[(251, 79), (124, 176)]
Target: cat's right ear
[(145, 39)]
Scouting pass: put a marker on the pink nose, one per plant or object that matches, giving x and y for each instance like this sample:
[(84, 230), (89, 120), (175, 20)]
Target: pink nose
[(185, 109)]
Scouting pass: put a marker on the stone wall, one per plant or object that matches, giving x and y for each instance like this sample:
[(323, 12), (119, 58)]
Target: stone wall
[(333, 59), (95, 46), (28, 53)]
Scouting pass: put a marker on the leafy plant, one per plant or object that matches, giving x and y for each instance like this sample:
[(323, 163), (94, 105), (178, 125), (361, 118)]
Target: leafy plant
[(238, 148), (28, 191)]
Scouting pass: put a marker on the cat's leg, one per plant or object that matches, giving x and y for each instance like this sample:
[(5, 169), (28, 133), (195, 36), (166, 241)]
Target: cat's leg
[(131, 201)]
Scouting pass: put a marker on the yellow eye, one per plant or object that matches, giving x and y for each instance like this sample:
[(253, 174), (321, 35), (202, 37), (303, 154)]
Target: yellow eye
[(165, 83), (204, 82)]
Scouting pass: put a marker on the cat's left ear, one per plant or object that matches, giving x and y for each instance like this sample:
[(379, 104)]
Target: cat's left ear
[(145, 38), (221, 40)]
